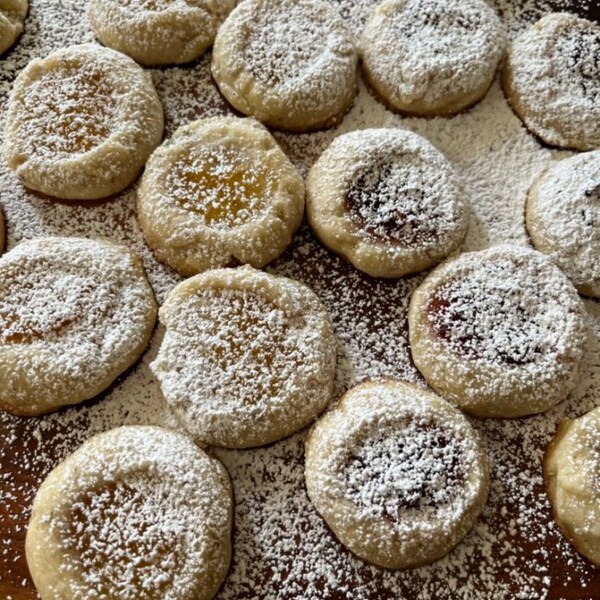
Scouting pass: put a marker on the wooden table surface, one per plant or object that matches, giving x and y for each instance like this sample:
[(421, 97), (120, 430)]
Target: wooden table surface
[(566, 575)]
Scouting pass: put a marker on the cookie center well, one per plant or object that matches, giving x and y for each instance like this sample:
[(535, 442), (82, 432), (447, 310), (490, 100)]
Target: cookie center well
[(391, 202), (223, 189), (401, 469), (70, 110)]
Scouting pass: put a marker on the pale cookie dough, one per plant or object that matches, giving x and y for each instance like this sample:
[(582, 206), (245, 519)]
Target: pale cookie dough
[(572, 476), (2, 232), (500, 333), (136, 513), (81, 123), (12, 16), (431, 57), (158, 32), (551, 78), (289, 63), (219, 193), (248, 358), (74, 315), (563, 218), (398, 474), (387, 201)]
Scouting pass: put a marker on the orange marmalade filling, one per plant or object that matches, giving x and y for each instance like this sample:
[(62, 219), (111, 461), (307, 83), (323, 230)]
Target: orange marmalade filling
[(70, 110), (224, 187)]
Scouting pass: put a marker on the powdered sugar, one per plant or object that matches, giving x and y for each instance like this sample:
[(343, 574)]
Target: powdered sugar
[(283, 549), (563, 213), (424, 55), (553, 80)]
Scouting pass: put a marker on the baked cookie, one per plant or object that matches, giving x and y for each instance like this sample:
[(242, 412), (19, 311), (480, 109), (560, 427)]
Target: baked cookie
[(136, 513), (81, 123), (2, 232), (572, 476), (158, 32), (12, 16), (387, 201), (248, 358), (431, 57), (499, 332), (398, 474), (563, 217), (220, 192), (289, 63), (551, 78), (74, 314)]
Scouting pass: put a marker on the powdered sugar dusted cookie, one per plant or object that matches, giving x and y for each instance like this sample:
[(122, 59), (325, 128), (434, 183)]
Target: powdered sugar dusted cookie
[(563, 216), (81, 123), (398, 474), (499, 332), (158, 32), (136, 513), (572, 476), (220, 192), (12, 16), (74, 314), (2, 232), (571, 473), (289, 63), (431, 57), (248, 358), (387, 201), (552, 80)]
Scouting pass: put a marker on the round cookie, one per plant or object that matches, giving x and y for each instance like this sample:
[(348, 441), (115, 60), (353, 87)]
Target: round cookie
[(136, 513), (572, 476), (397, 473), (158, 32), (74, 315), (289, 63), (248, 358), (431, 57), (551, 78), (562, 216), (81, 123), (12, 16), (500, 332), (220, 192), (387, 201)]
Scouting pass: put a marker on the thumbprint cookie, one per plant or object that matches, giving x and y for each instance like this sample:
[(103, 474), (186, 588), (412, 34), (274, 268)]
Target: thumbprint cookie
[(219, 193), (387, 201), (74, 315), (572, 476), (136, 513), (563, 218), (158, 32), (398, 474), (551, 78), (81, 123), (431, 57), (289, 63), (500, 332), (248, 358), (12, 16)]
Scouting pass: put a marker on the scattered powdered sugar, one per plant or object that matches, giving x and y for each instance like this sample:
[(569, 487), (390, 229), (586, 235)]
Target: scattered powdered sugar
[(564, 213), (431, 50), (282, 549)]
